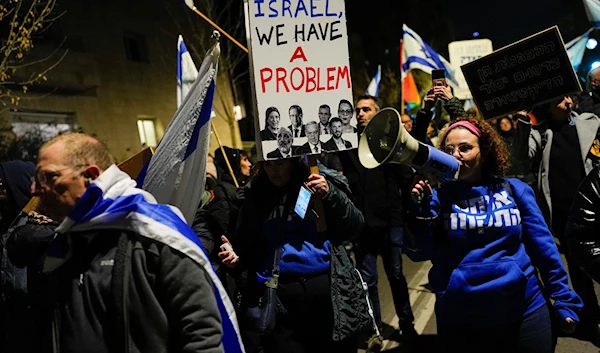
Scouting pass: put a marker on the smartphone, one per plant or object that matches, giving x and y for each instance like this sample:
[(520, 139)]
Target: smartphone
[(302, 202), (438, 77)]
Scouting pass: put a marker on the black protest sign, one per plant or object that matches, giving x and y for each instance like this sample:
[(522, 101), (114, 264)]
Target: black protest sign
[(517, 77)]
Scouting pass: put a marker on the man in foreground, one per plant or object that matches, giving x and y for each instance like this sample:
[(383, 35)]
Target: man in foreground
[(128, 274)]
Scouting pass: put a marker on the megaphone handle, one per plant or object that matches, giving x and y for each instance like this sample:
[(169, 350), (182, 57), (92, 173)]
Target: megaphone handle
[(314, 169)]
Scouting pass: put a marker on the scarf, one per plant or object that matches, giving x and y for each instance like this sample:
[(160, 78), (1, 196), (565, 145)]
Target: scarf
[(112, 201)]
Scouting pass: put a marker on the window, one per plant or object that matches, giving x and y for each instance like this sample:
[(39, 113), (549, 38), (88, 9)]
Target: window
[(147, 132), (33, 128), (135, 47)]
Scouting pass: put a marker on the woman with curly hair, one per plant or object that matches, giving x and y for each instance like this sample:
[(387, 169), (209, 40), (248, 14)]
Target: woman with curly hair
[(485, 236)]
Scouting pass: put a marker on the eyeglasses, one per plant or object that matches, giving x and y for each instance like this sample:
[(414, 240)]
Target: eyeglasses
[(42, 178), (346, 111), (463, 149), (364, 109)]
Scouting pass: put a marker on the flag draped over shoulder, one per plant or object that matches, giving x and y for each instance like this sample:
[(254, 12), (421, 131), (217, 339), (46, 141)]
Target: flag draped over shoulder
[(412, 99), (112, 201), (576, 48), (373, 88), (176, 173), (419, 55), (592, 9)]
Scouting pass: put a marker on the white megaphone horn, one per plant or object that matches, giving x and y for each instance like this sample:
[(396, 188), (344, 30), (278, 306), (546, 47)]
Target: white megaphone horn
[(385, 140)]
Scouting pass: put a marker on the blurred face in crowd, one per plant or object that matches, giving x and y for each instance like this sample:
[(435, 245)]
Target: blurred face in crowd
[(245, 165), (284, 141), (278, 172), (273, 120), (464, 146), (365, 111), (430, 130), (324, 115), (561, 108), (345, 113), (595, 78), (58, 184), (407, 122), (312, 133), (505, 125), (336, 129), (295, 118)]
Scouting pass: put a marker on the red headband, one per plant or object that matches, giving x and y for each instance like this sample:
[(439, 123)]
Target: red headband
[(467, 125)]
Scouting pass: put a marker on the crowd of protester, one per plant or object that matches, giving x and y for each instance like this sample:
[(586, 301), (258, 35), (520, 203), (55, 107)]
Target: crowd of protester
[(80, 270)]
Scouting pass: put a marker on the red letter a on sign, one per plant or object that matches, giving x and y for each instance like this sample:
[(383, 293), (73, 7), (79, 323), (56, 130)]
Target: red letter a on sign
[(298, 54)]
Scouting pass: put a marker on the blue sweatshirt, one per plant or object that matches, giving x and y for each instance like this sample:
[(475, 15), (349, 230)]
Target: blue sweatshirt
[(304, 252), (484, 245)]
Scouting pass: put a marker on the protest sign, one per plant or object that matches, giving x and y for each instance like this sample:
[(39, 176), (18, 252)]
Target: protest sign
[(134, 164), (465, 51), (529, 72), (301, 77)]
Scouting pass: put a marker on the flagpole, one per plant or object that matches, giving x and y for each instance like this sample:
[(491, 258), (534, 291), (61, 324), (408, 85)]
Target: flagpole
[(220, 30), (214, 129), (401, 79)]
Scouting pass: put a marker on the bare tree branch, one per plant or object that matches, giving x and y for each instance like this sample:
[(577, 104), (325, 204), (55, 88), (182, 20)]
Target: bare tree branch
[(25, 23)]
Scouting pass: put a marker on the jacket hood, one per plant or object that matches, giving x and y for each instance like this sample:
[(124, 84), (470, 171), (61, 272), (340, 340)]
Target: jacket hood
[(16, 177)]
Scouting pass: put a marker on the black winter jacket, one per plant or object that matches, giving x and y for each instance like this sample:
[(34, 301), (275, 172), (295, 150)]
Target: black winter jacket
[(344, 222), (378, 192), (153, 298), (583, 228)]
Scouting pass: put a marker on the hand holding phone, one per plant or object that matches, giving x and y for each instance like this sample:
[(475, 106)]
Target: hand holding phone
[(303, 201)]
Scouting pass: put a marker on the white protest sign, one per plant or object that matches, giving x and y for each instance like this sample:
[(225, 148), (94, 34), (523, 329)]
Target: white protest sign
[(463, 52), (301, 77)]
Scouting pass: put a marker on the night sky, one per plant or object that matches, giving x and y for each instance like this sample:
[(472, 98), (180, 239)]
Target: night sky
[(439, 22)]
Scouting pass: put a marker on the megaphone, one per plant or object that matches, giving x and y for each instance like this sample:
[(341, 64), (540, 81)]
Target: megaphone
[(385, 140)]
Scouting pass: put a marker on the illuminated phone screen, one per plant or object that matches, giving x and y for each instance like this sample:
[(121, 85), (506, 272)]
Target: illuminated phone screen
[(302, 202)]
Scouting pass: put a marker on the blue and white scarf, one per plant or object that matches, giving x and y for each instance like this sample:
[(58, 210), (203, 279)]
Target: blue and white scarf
[(112, 201)]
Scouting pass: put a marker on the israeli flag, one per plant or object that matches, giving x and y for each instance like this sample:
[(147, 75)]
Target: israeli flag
[(576, 48), (592, 8), (373, 88), (190, 4), (176, 172), (419, 55), (186, 71)]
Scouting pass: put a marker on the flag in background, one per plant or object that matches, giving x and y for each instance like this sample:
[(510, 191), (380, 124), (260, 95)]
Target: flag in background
[(186, 71), (190, 4), (419, 55), (373, 88), (412, 99), (576, 48), (469, 104), (592, 8), (176, 173)]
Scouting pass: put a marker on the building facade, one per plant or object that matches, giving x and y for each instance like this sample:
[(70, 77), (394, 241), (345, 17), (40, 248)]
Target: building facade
[(117, 81)]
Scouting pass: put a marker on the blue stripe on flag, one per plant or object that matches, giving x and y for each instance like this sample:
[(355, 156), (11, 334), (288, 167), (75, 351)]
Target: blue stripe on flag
[(228, 329), (92, 204), (418, 60), (140, 178), (203, 119), (428, 51)]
